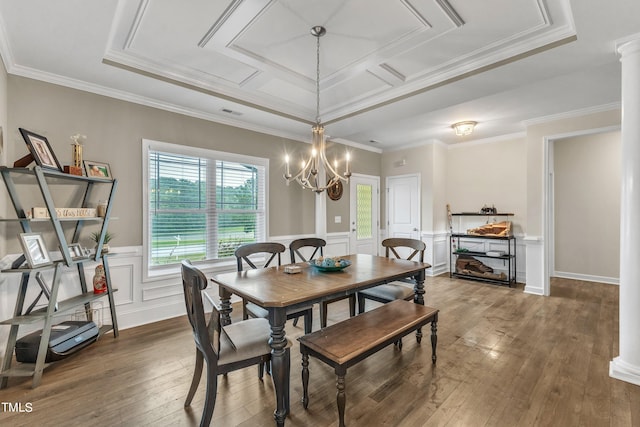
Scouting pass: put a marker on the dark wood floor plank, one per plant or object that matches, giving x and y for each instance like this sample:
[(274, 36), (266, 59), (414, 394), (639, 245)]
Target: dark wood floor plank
[(504, 358)]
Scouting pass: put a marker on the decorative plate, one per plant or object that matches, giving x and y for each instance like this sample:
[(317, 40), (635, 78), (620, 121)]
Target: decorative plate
[(335, 191), (327, 269)]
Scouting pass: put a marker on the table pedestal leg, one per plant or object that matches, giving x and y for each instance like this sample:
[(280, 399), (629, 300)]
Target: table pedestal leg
[(418, 298), (280, 369), (418, 289)]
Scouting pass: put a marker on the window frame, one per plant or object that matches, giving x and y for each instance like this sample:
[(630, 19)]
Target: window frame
[(173, 270)]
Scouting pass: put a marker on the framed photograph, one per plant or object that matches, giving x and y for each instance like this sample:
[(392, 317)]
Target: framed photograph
[(35, 250), (77, 251), (97, 169), (40, 150)]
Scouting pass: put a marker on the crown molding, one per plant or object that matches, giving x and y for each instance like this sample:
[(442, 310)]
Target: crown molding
[(148, 102), (571, 114)]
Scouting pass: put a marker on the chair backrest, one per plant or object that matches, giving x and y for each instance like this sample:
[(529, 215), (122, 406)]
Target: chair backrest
[(207, 337), (393, 243), (272, 248), (314, 242)]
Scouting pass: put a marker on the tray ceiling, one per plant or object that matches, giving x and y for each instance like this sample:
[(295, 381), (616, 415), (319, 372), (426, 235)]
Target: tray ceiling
[(395, 71)]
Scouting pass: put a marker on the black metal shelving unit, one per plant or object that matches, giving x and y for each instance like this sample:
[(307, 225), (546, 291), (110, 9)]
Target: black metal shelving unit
[(509, 258)]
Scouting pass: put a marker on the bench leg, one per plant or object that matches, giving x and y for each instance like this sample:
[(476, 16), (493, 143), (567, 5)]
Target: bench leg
[(305, 380), (341, 396), (434, 338)]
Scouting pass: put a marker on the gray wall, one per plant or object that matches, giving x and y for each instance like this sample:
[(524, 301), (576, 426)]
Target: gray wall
[(115, 130), (587, 205)]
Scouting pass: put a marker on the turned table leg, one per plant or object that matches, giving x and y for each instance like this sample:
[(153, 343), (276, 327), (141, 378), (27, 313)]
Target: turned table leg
[(305, 379), (434, 337)]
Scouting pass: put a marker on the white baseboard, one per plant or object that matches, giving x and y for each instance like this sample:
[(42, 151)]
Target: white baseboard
[(587, 277), (623, 371)]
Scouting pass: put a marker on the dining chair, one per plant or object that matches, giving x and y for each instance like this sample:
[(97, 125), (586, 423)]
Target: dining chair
[(318, 244), (400, 289), (272, 251), (224, 349)]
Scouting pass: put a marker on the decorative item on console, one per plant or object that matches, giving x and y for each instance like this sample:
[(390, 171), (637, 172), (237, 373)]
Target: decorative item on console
[(494, 229), (489, 210), (469, 265)]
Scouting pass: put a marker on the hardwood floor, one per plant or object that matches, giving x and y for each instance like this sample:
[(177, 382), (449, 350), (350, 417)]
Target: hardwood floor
[(505, 358)]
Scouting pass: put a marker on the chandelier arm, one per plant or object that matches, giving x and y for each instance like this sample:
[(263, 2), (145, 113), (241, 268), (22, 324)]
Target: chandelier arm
[(300, 172), (327, 163)]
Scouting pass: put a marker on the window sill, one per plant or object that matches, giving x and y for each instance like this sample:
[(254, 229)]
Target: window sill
[(173, 271)]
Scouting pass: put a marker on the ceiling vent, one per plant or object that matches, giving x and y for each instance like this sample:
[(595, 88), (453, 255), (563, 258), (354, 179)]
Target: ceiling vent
[(228, 111)]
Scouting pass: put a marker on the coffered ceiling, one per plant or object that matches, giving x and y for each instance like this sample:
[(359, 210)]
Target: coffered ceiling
[(397, 72)]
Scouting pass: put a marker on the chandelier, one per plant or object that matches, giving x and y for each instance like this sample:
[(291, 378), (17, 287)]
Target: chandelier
[(308, 175)]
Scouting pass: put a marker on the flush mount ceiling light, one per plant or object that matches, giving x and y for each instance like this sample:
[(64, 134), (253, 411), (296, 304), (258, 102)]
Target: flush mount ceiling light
[(307, 176), (464, 128)]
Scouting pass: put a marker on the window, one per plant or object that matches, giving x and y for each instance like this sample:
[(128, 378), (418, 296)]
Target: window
[(201, 204)]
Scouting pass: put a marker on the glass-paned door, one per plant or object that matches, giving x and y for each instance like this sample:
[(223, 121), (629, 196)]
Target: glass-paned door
[(364, 200)]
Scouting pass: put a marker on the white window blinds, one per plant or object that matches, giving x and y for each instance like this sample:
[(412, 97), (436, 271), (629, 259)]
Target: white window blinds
[(202, 207)]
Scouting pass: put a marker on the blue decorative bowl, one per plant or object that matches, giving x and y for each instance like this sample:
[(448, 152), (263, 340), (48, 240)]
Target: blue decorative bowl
[(344, 264)]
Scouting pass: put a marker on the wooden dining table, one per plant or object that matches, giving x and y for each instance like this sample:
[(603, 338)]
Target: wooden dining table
[(280, 292)]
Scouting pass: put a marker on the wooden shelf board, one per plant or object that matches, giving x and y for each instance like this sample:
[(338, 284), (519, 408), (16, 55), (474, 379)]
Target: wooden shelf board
[(483, 254), (63, 306), (482, 214), (476, 236), (21, 370)]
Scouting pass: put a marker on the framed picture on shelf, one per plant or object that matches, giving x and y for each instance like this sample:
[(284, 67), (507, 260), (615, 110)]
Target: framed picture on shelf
[(97, 169), (40, 150), (77, 251), (35, 250)]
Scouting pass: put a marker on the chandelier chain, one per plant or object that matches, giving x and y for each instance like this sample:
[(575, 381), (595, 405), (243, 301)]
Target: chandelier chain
[(318, 79)]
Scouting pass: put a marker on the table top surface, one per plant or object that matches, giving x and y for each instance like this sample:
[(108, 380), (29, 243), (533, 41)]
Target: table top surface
[(272, 287)]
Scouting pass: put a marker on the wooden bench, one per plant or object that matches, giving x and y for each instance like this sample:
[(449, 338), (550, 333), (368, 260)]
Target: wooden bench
[(346, 343)]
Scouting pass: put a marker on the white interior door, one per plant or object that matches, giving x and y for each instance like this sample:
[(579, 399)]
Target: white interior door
[(363, 217), (403, 206)]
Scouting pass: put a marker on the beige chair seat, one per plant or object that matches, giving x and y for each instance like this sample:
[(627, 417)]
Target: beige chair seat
[(244, 340)]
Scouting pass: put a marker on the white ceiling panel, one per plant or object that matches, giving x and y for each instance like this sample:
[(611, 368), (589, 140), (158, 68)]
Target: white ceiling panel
[(391, 70)]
